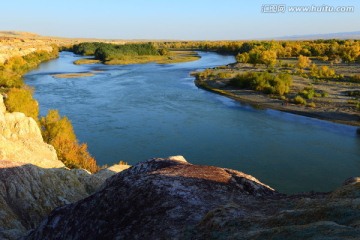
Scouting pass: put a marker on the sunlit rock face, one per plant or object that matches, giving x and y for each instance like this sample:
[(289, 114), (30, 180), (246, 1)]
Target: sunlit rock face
[(21, 141)]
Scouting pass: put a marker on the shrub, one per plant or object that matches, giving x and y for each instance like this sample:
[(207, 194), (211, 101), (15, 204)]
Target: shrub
[(16, 64), (287, 65), (307, 93), (163, 51), (322, 72), (224, 75), (10, 80), (21, 100), (355, 93), (263, 82), (323, 58), (326, 72), (355, 78), (324, 94), (243, 80), (311, 104), (303, 62), (58, 131), (242, 57), (207, 74), (20, 65), (299, 100)]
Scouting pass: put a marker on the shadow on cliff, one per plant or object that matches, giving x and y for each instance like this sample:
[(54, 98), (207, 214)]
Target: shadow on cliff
[(28, 193)]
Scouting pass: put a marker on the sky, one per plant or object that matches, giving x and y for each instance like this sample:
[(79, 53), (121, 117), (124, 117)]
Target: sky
[(173, 19)]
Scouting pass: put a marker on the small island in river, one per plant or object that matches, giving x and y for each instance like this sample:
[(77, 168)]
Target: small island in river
[(130, 53)]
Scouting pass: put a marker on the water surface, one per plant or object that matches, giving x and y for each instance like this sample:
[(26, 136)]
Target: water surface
[(135, 112)]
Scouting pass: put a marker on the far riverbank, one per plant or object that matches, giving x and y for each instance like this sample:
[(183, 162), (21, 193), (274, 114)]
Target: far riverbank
[(260, 100)]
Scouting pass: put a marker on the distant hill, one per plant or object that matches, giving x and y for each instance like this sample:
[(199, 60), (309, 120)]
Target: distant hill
[(17, 34), (339, 35)]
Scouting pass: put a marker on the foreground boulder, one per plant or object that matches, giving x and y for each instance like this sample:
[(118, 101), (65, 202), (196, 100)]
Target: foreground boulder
[(159, 198), (173, 199)]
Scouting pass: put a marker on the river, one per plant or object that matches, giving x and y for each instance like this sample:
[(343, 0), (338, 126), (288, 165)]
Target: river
[(136, 112)]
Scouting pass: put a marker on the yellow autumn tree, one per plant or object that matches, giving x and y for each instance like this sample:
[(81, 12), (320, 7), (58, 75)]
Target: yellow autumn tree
[(303, 62), (58, 131), (268, 57), (21, 100)]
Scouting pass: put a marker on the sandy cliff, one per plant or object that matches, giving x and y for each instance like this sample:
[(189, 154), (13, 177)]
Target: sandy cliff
[(21, 141), (32, 179)]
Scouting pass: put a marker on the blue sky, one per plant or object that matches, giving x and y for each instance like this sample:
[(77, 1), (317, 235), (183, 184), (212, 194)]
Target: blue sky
[(170, 19)]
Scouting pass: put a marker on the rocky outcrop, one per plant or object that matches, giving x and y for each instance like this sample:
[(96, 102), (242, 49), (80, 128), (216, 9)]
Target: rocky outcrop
[(21, 141), (32, 179), (28, 193), (92, 182), (20, 47), (155, 199), (173, 199)]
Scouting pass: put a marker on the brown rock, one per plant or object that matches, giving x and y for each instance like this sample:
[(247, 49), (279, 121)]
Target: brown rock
[(155, 199)]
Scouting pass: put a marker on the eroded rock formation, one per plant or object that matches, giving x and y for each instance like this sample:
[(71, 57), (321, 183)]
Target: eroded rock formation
[(173, 199), (32, 179), (21, 141)]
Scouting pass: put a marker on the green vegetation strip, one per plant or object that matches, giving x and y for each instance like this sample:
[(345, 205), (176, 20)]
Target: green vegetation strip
[(131, 54)]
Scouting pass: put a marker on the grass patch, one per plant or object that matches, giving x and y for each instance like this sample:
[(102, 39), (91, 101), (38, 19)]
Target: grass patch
[(299, 100)]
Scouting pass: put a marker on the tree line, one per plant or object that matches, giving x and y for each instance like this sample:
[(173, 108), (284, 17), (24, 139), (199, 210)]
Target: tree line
[(107, 51)]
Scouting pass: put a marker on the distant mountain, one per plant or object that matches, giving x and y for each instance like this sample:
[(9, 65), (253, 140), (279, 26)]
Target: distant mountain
[(339, 35)]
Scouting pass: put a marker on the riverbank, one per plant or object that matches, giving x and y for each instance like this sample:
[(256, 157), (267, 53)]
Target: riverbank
[(259, 100), (336, 106)]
